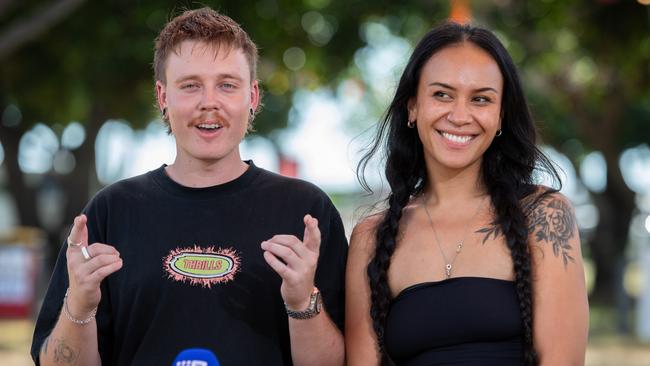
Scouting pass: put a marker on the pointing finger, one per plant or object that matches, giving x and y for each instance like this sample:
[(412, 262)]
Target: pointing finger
[(311, 237), (79, 232)]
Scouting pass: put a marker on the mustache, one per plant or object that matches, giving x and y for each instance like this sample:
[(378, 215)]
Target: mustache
[(211, 117)]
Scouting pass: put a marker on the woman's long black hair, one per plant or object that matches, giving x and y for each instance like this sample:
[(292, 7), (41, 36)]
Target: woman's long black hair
[(507, 171)]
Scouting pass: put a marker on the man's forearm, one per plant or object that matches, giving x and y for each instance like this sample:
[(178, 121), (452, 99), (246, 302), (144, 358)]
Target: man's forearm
[(316, 341), (71, 344)]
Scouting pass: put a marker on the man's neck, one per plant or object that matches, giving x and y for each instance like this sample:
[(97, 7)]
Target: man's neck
[(200, 174)]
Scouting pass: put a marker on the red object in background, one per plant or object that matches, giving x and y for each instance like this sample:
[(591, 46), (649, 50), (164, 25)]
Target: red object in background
[(460, 11), (288, 167)]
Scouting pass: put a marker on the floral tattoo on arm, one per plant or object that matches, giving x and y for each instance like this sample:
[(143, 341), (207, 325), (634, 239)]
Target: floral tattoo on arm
[(551, 220)]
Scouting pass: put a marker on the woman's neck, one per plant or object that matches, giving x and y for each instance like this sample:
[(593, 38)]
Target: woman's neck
[(449, 188)]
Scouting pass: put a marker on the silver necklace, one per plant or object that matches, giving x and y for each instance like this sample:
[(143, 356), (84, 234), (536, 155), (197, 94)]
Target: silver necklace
[(449, 265)]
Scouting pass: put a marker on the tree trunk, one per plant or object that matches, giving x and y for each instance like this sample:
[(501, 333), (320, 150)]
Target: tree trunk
[(615, 206), (80, 184), (24, 196)]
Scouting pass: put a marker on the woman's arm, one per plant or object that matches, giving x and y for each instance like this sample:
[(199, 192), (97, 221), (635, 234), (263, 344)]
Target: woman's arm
[(560, 307), (360, 339)]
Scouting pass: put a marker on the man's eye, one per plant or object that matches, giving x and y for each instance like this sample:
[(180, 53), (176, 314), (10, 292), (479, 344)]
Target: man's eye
[(190, 86), (228, 86)]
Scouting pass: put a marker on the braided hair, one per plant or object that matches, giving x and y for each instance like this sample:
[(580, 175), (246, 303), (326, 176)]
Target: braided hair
[(507, 171)]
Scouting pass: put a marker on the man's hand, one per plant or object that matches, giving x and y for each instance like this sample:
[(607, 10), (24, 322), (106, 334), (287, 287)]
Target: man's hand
[(85, 275), (295, 261)]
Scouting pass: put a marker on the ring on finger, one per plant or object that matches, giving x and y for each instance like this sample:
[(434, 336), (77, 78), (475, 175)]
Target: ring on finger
[(71, 244), (85, 253)]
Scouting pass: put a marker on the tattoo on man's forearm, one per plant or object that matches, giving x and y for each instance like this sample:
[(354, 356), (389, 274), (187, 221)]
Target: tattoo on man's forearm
[(63, 353), (552, 221)]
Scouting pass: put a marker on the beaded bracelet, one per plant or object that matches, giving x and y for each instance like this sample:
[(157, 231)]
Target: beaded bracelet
[(66, 311)]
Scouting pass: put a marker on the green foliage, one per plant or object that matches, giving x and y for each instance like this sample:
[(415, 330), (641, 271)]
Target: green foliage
[(100, 55), (583, 62)]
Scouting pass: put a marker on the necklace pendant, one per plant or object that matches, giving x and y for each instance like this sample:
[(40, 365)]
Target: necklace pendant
[(448, 268)]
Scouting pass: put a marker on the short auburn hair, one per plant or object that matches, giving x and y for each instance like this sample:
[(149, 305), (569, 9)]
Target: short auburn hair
[(204, 25)]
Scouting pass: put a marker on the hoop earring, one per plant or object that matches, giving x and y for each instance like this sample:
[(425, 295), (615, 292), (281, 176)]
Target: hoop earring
[(410, 124), (251, 118), (499, 133)]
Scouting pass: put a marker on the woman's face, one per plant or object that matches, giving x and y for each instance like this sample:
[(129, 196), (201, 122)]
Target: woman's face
[(457, 107)]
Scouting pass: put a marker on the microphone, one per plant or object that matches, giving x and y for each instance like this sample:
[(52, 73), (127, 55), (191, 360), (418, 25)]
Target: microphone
[(196, 357)]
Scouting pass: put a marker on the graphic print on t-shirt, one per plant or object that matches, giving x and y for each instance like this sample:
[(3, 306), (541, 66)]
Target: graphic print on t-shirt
[(202, 266)]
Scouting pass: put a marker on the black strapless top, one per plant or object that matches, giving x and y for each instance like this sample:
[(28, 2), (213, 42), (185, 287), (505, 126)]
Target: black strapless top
[(459, 321)]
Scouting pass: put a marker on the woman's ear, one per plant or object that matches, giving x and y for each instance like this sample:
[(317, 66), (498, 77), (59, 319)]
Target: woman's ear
[(412, 109)]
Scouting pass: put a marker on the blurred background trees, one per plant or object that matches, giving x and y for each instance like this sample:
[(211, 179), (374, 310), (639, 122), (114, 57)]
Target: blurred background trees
[(74, 65)]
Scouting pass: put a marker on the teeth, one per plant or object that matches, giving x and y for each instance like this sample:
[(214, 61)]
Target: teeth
[(210, 126), (456, 138)]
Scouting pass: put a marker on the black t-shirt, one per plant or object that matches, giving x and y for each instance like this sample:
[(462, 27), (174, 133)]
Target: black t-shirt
[(193, 271)]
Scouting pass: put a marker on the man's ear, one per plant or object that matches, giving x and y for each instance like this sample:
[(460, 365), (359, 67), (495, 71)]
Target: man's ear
[(255, 95), (161, 95)]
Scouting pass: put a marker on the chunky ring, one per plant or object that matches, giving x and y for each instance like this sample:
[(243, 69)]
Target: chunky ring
[(84, 252), (71, 244)]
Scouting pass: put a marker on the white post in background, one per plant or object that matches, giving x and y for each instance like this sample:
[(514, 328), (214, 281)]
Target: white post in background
[(643, 307)]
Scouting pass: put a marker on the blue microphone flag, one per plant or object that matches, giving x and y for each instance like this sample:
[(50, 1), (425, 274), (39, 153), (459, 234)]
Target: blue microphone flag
[(196, 357)]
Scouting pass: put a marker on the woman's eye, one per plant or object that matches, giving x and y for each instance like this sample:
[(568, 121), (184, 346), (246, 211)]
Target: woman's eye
[(441, 94), (482, 99)]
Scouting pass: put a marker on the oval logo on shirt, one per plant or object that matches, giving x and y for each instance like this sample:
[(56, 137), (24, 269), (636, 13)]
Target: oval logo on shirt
[(202, 266)]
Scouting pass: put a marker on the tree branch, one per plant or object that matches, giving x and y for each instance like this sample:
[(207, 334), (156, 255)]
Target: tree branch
[(26, 29)]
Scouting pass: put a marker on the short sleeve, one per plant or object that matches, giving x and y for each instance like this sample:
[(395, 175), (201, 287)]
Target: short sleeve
[(51, 307), (330, 273)]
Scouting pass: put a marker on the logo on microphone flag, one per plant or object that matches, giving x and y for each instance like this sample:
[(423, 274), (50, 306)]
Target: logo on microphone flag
[(191, 363)]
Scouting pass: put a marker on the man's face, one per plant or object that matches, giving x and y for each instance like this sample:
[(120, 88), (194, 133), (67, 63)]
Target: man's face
[(208, 95)]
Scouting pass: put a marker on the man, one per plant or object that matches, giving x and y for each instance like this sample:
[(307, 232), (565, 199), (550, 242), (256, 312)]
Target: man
[(204, 252)]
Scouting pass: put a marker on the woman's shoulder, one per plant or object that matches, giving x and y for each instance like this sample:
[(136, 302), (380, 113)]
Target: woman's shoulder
[(552, 224), (366, 228), (363, 238), (544, 198)]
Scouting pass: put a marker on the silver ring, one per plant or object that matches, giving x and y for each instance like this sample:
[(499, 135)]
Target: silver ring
[(71, 244), (84, 252), (448, 118)]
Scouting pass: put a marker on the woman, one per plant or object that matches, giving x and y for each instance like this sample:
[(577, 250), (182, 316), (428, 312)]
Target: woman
[(471, 263)]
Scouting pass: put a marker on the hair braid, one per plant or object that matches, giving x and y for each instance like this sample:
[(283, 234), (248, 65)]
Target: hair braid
[(386, 239), (510, 217)]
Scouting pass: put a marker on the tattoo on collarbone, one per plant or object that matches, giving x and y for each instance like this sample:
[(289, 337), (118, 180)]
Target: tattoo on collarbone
[(493, 229), (552, 221), (64, 354)]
